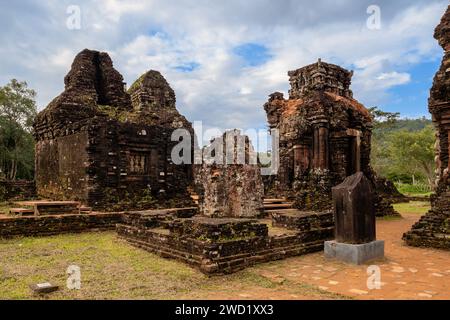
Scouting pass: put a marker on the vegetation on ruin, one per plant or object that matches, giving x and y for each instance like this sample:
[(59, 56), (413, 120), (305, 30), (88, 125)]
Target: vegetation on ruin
[(115, 113), (224, 238), (17, 113), (136, 84), (138, 200)]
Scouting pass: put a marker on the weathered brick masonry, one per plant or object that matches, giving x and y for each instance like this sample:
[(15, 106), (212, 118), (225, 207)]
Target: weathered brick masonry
[(57, 224), (325, 136), (107, 147), (433, 229), (17, 190), (222, 245)]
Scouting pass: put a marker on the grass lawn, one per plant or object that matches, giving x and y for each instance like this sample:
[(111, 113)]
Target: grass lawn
[(112, 269), (416, 207), (4, 207)]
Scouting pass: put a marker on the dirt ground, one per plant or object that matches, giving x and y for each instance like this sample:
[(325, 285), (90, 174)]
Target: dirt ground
[(406, 272), (111, 269)]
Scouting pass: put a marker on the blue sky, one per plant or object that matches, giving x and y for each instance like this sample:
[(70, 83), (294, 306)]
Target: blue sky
[(252, 54), (410, 99), (223, 58)]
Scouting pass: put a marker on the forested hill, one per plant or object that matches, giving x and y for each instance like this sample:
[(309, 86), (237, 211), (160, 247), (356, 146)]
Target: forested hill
[(404, 124), (403, 149)]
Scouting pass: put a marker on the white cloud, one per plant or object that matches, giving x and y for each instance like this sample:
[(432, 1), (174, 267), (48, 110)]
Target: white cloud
[(394, 78), (221, 91)]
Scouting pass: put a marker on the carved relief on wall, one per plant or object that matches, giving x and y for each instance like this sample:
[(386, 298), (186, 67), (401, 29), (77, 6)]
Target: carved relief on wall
[(138, 163)]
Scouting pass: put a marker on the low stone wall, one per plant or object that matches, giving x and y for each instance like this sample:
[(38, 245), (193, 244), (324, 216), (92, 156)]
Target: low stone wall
[(57, 224), (302, 220), (213, 229), (17, 190)]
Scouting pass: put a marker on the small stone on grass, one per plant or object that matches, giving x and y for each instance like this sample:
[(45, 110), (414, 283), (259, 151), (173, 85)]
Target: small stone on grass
[(42, 288)]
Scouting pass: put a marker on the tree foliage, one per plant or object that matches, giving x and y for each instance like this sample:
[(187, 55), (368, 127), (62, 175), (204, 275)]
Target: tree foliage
[(17, 113), (403, 149)]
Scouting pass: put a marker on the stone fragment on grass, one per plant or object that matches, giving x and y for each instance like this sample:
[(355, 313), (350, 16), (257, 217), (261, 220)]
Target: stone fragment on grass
[(42, 288)]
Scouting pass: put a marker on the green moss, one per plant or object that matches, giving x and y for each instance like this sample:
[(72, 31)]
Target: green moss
[(136, 84), (227, 239), (115, 113), (139, 200)]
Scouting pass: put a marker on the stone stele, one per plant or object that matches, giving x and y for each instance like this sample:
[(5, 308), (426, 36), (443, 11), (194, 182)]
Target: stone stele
[(354, 214)]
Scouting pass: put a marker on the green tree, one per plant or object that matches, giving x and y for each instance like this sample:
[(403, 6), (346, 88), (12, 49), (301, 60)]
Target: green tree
[(17, 113), (412, 152), (383, 119), (383, 124)]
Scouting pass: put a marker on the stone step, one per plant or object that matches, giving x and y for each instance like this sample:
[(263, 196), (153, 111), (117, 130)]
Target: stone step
[(272, 206), (274, 200), (21, 211)]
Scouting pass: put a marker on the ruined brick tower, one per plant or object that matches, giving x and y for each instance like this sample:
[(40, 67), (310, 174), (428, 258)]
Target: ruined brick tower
[(325, 136), (433, 229), (107, 147), (230, 186)]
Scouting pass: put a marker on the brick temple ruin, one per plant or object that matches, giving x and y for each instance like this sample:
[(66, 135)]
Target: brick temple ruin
[(325, 136), (111, 148), (433, 229), (108, 147), (232, 231)]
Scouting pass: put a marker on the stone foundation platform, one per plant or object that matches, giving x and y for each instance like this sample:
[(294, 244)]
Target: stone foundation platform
[(219, 245)]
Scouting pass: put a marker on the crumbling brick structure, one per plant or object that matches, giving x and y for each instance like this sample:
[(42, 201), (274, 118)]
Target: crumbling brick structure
[(433, 229), (17, 190), (224, 245), (107, 147), (325, 136), (229, 180)]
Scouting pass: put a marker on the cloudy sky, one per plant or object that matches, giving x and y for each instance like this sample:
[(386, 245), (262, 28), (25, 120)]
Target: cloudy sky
[(223, 58)]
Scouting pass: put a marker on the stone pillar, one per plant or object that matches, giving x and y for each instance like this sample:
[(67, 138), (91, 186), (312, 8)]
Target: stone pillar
[(357, 149), (316, 148), (301, 157), (323, 148)]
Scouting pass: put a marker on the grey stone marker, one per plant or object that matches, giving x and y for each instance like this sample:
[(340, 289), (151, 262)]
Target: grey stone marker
[(42, 288), (354, 214)]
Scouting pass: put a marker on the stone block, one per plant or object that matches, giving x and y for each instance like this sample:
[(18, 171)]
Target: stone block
[(354, 253), (42, 288)]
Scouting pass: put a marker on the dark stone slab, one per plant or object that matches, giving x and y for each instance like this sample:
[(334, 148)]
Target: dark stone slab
[(354, 211)]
